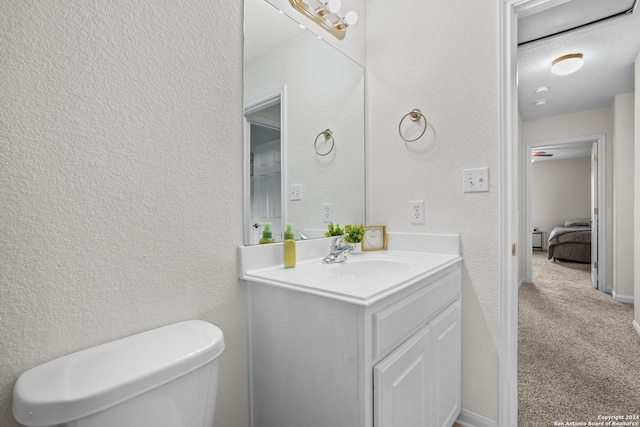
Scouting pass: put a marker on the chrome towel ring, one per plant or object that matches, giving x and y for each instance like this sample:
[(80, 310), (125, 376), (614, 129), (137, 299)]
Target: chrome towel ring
[(415, 115), (327, 136)]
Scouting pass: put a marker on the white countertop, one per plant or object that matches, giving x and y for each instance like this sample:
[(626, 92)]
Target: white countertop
[(364, 288), (360, 279)]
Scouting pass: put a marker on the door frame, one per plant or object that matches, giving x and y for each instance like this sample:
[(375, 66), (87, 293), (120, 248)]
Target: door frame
[(600, 140), (508, 232), (508, 225), (260, 102)]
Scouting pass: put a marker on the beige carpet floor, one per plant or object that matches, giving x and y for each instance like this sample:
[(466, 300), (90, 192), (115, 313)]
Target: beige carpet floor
[(578, 354)]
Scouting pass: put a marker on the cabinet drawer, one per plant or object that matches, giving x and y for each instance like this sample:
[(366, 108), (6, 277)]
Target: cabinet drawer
[(394, 323)]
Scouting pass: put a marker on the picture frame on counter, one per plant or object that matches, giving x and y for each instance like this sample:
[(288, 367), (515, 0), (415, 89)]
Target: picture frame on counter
[(374, 238)]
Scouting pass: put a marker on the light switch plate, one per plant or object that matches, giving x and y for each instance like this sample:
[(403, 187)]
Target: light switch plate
[(475, 180), (295, 192)]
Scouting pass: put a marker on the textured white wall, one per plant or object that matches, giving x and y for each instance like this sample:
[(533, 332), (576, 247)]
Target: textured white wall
[(561, 189), (590, 122), (120, 180), (636, 163), (437, 56), (623, 185)]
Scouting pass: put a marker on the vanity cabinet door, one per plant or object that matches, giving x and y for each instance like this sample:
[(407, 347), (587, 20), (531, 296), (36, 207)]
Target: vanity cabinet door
[(403, 384), (447, 341)]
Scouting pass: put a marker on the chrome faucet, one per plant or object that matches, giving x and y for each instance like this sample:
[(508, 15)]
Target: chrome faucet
[(338, 252)]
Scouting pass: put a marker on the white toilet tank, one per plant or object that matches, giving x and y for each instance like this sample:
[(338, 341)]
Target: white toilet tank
[(166, 377)]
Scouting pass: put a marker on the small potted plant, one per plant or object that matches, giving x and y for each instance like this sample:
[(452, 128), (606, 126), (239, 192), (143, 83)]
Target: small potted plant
[(334, 230), (353, 235)]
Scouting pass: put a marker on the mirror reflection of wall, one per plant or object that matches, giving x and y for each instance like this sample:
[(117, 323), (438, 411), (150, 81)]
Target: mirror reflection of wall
[(322, 89)]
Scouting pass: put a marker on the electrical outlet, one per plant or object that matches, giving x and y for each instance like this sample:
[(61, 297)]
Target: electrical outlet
[(475, 180), (295, 192), (417, 211), (327, 212)]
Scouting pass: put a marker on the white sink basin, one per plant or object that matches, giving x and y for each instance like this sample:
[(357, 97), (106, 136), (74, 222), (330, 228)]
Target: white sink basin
[(363, 278), (369, 266)]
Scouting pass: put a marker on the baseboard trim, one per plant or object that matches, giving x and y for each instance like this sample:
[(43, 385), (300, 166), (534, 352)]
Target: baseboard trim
[(470, 419), (636, 326), (625, 299)]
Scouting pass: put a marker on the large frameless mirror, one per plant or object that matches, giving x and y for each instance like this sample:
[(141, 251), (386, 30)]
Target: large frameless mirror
[(304, 129)]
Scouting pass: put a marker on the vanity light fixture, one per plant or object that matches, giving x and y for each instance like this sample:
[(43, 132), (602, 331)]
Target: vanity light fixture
[(567, 64), (325, 16)]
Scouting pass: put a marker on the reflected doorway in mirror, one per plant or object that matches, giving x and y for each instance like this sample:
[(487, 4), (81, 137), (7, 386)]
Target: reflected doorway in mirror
[(264, 174)]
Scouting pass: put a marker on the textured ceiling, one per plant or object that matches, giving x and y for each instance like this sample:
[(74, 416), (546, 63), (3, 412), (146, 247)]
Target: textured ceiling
[(609, 47)]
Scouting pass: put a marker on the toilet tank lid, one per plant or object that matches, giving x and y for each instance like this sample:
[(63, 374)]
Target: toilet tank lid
[(91, 380)]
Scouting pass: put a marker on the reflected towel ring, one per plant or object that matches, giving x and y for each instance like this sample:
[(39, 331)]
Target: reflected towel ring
[(327, 135), (415, 115)]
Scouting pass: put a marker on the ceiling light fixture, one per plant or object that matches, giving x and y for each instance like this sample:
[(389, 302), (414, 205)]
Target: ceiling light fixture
[(567, 64), (542, 89), (541, 154), (540, 102)]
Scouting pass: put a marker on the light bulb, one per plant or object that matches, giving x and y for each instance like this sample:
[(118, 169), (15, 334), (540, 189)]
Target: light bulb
[(350, 18), (331, 6)]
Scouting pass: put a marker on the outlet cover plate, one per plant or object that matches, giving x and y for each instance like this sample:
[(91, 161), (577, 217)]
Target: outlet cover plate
[(417, 211), (327, 212)]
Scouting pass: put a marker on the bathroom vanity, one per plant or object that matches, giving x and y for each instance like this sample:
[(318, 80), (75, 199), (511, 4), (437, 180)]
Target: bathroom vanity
[(373, 341)]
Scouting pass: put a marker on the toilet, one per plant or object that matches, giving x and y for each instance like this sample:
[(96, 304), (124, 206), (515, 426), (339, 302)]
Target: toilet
[(165, 377)]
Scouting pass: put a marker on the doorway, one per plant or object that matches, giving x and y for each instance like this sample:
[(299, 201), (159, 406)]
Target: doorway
[(595, 147), (513, 235), (264, 167)]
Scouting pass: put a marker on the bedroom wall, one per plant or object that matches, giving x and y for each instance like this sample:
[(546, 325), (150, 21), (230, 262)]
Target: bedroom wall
[(589, 122), (522, 188), (636, 230), (561, 189), (623, 197)]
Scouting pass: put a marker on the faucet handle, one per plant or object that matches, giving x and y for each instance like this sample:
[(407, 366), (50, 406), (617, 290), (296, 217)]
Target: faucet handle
[(337, 244)]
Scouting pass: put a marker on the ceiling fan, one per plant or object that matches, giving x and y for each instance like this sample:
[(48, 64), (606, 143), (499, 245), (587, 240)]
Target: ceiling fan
[(541, 154)]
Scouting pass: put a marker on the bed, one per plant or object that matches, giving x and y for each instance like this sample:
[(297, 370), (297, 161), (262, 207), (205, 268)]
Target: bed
[(571, 242)]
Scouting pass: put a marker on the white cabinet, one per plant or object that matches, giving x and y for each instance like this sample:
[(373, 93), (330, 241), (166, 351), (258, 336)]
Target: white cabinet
[(403, 384), (317, 361), (419, 383), (448, 353)]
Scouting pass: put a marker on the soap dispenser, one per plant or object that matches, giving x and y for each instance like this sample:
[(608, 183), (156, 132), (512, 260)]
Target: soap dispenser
[(267, 234), (289, 247)]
